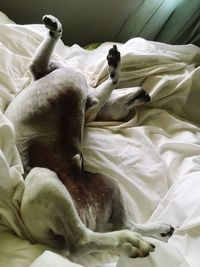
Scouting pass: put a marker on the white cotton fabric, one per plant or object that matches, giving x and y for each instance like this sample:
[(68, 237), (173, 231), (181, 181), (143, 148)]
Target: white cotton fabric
[(155, 156)]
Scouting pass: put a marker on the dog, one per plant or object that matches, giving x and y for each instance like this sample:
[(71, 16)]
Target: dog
[(65, 206)]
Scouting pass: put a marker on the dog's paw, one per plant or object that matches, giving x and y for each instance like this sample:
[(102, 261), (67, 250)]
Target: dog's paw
[(113, 59), (159, 230), (164, 232), (53, 24), (132, 245)]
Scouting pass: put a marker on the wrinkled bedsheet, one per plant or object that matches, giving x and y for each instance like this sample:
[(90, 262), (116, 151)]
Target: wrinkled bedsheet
[(155, 156)]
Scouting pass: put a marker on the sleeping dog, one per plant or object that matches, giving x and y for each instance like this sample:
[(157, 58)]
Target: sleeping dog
[(63, 205)]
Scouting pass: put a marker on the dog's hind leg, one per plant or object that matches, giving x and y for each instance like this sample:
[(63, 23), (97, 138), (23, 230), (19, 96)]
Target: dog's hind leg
[(40, 65), (50, 216), (121, 219)]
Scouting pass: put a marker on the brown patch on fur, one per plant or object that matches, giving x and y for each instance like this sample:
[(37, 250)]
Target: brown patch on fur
[(89, 191)]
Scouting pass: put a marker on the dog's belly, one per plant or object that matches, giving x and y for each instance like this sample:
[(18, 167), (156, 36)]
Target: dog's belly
[(91, 192)]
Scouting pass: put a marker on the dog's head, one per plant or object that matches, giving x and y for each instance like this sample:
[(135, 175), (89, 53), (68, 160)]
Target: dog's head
[(138, 96), (122, 102)]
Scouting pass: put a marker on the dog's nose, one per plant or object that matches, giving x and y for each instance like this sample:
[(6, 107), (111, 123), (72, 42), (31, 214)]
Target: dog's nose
[(148, 98), (143, 95)]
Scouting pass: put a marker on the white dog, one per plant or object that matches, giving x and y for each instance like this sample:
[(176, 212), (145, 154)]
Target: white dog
[(65, 206)]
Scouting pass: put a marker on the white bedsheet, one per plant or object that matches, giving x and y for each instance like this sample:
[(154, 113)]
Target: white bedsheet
[(155, 156)]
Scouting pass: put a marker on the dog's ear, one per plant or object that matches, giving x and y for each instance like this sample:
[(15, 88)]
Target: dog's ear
[(90, 102)]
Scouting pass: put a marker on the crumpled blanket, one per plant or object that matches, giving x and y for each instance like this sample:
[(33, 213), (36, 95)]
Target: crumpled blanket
[(155, 156)]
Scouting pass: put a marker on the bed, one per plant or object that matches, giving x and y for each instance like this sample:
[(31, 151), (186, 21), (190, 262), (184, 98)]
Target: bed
[(155, 156)]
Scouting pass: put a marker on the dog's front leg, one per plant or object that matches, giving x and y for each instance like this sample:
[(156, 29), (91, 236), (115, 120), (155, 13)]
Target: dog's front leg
[(99, 96), (40, 65)]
